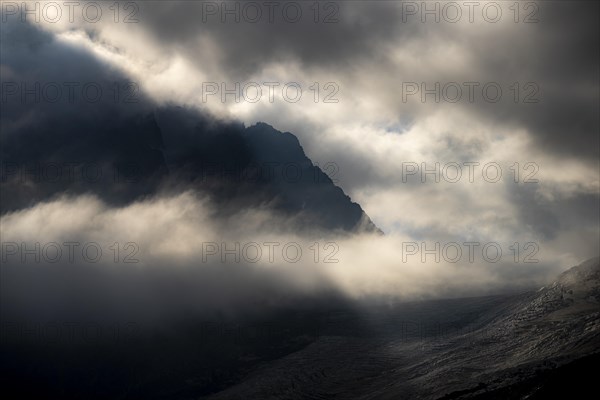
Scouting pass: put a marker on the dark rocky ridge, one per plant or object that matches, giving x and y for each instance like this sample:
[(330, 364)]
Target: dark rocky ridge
[(123, 146), (124, 160)]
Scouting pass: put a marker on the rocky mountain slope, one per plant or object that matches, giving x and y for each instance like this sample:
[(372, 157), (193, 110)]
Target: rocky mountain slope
[(122, 146), (497, 347)]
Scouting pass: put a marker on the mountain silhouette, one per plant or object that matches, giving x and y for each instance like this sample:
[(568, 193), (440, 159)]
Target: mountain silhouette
[(124, 158)]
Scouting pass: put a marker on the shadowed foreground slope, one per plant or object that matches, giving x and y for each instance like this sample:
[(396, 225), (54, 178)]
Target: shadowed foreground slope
[(484, 348)]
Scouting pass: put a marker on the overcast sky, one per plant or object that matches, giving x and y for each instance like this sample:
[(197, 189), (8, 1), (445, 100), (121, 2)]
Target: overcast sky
[(489, 87)]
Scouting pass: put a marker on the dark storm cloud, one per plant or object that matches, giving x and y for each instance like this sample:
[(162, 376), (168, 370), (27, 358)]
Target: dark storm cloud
[(344, 33), (51, 93), (557, 54)]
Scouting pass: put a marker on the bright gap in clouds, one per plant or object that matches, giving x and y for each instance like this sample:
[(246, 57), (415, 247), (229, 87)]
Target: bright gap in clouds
[(192, 240)]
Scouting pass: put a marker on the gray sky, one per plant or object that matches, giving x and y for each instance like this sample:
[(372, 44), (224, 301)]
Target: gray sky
[(375, 58)]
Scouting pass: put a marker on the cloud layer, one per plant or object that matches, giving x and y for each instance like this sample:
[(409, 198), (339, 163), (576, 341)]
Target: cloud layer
[(372, 139)]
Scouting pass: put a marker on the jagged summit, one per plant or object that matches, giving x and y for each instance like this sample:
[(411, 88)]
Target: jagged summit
[(171, 148)]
